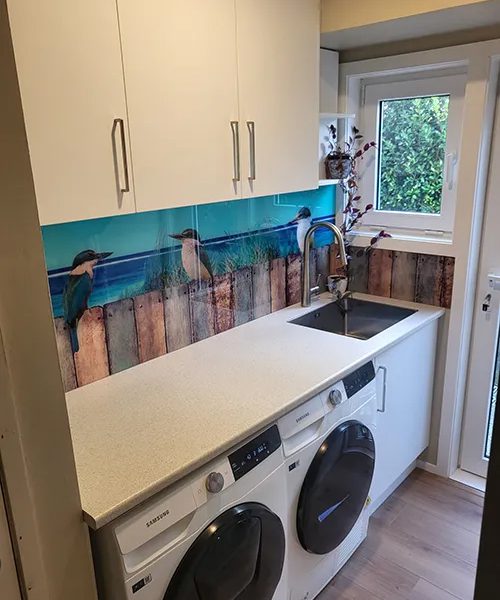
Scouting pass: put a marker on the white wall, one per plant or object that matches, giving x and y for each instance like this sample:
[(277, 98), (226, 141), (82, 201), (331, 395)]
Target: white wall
[(39, 476), (480, 61)]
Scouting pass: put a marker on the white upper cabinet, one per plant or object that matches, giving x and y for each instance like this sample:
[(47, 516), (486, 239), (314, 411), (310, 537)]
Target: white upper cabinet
[(220, 92), (278, 70), (70, 74), (220, 99), (181, 79)]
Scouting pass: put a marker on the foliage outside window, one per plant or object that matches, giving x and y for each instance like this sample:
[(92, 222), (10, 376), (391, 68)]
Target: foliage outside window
[(412, 150)]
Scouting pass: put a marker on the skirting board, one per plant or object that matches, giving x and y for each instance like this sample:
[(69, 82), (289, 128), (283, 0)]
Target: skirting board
[(383, 497), (430, 468)]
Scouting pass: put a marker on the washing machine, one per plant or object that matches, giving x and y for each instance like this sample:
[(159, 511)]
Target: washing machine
[(219, 534), (329, 449)]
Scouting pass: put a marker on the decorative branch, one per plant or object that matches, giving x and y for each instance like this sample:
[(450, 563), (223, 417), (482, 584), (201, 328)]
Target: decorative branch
[(355, 150)]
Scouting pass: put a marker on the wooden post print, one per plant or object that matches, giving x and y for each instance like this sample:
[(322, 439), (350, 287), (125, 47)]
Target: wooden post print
[(133, 330)]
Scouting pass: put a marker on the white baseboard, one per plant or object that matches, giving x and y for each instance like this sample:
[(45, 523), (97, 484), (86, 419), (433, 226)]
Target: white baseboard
[(421, 464), (430, 468), (383, 497)]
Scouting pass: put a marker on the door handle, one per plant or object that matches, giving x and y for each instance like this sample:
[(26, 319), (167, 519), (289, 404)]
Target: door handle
[(251, 132), (384, 388), (486, 303), (451, 161), (235, 128), (120, 123)]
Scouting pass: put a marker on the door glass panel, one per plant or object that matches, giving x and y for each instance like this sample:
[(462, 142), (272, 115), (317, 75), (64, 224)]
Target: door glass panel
[(239, 555), (493, 401), (335, 488)]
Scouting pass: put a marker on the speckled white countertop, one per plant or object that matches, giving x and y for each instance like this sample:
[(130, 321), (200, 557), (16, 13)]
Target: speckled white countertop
[(138, 431)]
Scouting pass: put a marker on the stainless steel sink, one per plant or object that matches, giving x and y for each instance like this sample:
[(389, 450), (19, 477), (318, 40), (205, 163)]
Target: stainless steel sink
[(362, 320)]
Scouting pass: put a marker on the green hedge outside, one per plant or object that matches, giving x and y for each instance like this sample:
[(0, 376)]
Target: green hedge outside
[(412, 148)]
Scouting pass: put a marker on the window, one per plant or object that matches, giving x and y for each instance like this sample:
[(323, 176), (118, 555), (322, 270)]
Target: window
[(411, 180), (412, 145)]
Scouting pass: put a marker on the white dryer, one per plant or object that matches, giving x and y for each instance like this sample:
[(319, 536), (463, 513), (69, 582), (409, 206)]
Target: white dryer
[(216, 535), (330, 457)]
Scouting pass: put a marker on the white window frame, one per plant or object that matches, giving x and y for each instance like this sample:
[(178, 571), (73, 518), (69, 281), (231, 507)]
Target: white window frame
[(373, 91)]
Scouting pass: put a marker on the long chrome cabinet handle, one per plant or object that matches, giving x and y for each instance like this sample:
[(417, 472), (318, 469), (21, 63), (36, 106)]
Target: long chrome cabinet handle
[(235, 128), (251, 131), (384, 371), (120, 123)]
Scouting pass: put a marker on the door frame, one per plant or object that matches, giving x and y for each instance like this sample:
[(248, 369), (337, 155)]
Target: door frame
[(9, 579), (485, 331), (484, 74), (482, 62), (487, 566)]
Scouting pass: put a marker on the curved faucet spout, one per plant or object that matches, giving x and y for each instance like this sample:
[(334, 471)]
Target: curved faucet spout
[(306, 273)]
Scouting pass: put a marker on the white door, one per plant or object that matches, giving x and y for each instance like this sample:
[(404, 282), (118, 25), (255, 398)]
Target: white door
[(181, 79), (484, 366), (9, 585), (278, 71), (71, 79)]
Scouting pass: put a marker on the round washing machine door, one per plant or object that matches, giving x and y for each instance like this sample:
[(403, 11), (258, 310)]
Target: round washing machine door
[(335, 487), (239, 556)]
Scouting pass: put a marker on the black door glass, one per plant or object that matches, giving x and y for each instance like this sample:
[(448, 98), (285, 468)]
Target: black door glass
[(336, 487), (239, 556)]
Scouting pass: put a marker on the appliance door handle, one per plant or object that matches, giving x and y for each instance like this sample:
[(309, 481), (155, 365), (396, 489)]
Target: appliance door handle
[(235, 128), (120, 123), (384, 388), (251, 132)]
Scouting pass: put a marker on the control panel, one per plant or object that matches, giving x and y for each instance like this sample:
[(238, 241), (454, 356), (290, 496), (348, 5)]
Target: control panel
[(356, 381), (254, 452)]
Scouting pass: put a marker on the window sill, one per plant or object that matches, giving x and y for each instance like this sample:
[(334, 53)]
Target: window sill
[(407, 240)]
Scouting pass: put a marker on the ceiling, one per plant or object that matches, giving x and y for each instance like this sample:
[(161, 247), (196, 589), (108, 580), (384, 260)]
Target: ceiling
[(463, 18)]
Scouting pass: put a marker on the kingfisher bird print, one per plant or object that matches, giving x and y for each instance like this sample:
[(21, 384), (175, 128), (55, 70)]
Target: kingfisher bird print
[(130, 288), (194, 256), (78, 288)]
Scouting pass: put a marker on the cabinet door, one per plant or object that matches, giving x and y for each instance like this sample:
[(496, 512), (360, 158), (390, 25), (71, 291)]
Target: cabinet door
[(71, 79), (278, 71), (404, 409), (181, 79)]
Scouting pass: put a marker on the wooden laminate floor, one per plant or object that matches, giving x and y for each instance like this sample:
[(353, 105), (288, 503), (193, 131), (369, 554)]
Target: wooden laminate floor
[(422, 544)]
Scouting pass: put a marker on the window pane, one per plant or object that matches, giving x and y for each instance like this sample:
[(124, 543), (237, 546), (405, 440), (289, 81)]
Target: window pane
[(411, 154)]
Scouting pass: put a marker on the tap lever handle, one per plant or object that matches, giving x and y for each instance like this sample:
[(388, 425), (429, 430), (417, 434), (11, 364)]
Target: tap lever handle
[(334, 283), (317, 287)]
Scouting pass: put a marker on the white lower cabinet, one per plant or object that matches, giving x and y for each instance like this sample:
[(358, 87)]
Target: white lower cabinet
[(405, 382)]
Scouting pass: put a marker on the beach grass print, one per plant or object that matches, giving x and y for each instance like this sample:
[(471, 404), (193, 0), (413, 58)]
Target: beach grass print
[(234, 234), (144, 304)]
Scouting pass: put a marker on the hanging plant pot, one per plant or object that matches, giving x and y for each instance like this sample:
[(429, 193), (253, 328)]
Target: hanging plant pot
[(338, 165)]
